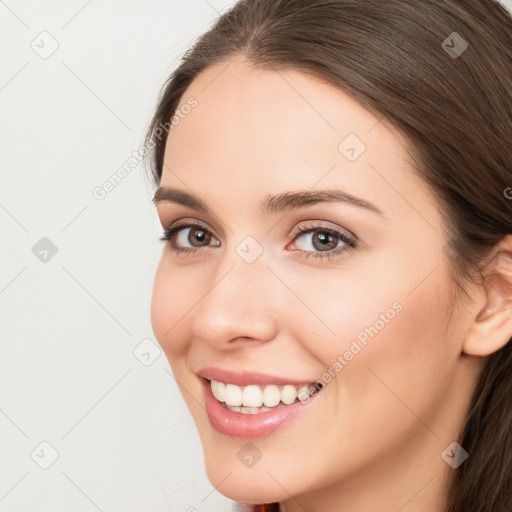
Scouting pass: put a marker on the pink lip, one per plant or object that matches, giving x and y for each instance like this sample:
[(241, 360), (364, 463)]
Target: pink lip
[(246, 378), (249, 425)]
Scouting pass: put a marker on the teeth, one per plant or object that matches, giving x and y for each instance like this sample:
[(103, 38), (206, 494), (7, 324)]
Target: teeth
[(288, 394), (302, 392), (252, 396), (232, 395), (248, 410), (271, 395), (218, 390), (253, 399)]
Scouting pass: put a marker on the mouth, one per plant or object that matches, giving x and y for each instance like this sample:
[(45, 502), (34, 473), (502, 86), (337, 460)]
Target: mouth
[(258, 398), (252, 409)]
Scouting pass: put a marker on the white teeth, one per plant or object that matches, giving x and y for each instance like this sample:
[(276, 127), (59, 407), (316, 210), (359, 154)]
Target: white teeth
[(218, 390), (302, 392), (252, 396), (271, 395), (253, 399), (233, 395), (248, 410), (288, 394)]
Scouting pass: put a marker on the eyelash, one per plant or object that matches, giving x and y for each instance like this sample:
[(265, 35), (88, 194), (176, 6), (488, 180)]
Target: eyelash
[(170, 233)]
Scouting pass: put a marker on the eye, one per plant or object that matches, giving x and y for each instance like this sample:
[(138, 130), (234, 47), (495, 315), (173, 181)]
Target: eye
[(327, 242), (192, 233)]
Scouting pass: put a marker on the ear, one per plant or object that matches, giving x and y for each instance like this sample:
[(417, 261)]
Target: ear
[(492, 327)]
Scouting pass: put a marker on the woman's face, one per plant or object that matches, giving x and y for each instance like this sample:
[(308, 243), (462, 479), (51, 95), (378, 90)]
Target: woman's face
[(374, 322)]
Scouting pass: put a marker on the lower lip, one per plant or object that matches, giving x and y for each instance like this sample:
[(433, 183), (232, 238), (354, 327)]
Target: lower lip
[(237, 424)]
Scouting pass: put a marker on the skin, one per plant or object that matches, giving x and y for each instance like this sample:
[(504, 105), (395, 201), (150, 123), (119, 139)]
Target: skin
[(372, 438)]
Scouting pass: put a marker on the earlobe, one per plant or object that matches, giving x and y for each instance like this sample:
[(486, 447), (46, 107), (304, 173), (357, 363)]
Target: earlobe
[(492, 328), (489, 334)]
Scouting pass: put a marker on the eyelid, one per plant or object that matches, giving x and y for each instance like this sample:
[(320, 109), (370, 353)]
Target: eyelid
[(189, 222), (320, 224)]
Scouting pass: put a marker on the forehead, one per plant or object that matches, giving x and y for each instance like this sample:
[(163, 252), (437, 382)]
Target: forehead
[(258, 131), (239, 100)]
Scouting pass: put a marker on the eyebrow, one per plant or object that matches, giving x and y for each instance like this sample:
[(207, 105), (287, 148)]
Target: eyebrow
[(272, 203)]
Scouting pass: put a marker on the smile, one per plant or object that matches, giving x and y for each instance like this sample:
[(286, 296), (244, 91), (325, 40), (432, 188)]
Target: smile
[(254, 399), (256, 410)]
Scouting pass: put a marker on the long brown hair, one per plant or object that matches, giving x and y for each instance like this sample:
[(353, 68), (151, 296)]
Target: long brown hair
[(441, 73)]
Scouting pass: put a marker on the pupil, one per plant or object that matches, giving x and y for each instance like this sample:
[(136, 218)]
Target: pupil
[(325, 239), (199, 236)]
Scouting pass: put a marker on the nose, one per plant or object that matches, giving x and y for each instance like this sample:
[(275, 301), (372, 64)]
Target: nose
[(240, 303)]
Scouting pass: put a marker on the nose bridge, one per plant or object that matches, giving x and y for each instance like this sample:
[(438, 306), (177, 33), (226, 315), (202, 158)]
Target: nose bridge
[(238, 302)]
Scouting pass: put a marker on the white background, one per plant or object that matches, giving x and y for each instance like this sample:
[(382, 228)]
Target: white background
[(69, 326)]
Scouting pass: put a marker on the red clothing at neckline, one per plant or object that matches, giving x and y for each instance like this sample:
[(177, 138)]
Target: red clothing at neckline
[(267, 507)]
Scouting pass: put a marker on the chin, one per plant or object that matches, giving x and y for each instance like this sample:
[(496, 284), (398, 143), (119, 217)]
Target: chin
[(271, 479), (246, 486)]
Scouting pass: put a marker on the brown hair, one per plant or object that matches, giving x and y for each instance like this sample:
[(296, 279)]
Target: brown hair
[(401, 60)]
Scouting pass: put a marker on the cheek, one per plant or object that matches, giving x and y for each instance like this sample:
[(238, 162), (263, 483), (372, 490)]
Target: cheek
[(388, 353), (398, 316), (398, 375), (348, 310)]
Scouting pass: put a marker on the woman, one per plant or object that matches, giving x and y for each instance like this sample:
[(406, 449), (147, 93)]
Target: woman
[(334, 295)]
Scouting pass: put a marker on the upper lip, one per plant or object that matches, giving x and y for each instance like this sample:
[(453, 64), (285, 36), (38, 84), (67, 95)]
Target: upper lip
[(246, 378)]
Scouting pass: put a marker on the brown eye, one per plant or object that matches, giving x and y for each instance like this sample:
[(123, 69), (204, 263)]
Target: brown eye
[(197, 237), (321, 240), (188, 237)]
